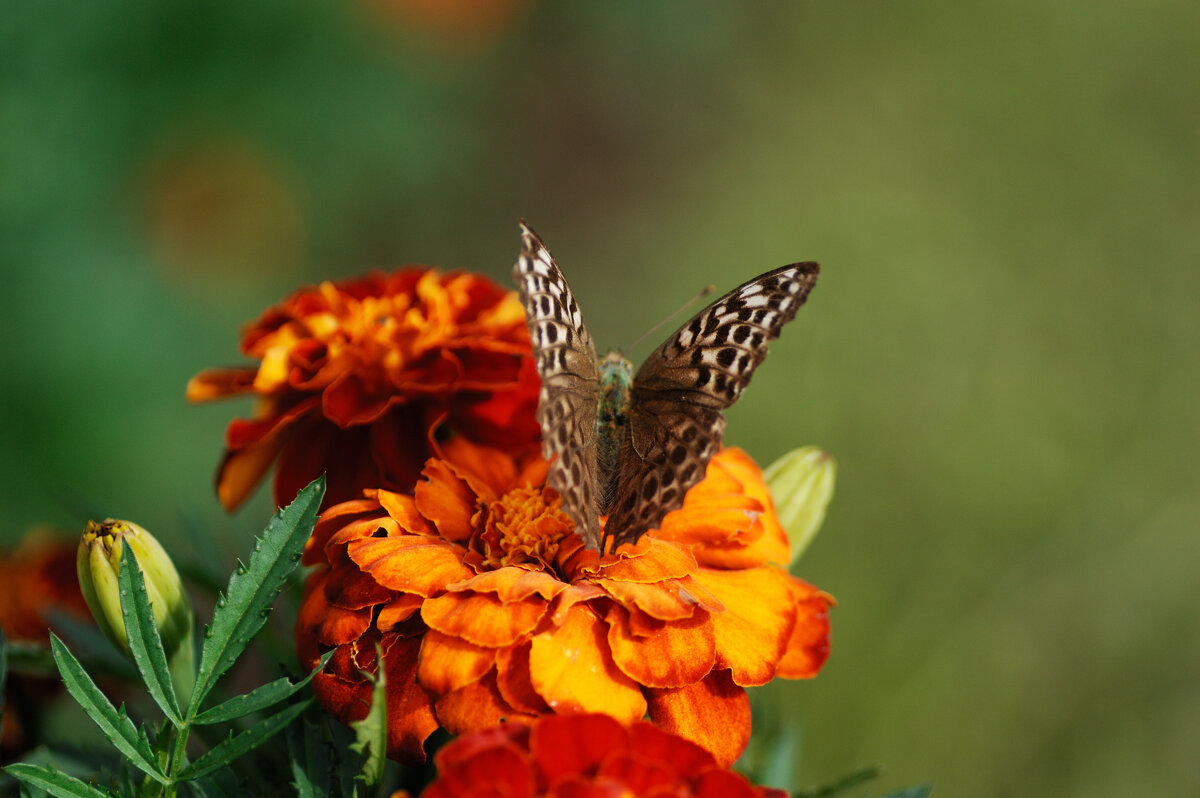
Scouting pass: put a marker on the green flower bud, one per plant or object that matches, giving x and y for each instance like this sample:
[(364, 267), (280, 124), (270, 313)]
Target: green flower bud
[(98, 560), (801, 483)]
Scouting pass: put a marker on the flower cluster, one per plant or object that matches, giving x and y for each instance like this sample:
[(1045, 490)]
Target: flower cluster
[(487, 606), (360, 379)]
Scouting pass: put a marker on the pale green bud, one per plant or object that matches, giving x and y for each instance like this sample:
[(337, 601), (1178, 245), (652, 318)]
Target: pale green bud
[(97, 560), (801, 484)]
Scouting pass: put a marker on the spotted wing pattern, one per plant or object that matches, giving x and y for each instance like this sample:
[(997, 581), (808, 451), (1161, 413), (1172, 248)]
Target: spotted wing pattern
[(675, 422), (569, 399)]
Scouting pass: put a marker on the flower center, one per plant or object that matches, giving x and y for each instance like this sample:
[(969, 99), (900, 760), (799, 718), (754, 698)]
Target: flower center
[(526, 525)]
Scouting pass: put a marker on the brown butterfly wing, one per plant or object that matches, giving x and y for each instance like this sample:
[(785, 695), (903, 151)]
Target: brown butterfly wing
[(566, 362), (675, 419)]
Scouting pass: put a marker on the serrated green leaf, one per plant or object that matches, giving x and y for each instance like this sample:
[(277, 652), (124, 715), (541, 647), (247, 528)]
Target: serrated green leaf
[(243, 610), (308, 757), (370, 733), (911, 792), (115, 725), (145, 645), (222, 784), (235, 746), (258, 698), (347, 767), (841, 785), (55, 782), (3, 669)]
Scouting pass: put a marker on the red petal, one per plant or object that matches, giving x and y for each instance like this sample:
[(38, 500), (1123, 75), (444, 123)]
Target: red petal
[(570, 745)]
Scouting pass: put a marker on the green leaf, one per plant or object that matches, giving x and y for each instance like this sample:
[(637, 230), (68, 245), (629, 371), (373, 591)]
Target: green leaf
[(116, 725), (244, 608), (145, 645), (370, 733), (258, 698), (841, 785), (347, 767), (3, 669), (308, 756), (54, 782), (222, 784), (911, 792), (235, 746)]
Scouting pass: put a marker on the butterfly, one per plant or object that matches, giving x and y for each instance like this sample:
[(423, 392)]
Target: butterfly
[(628, 445)]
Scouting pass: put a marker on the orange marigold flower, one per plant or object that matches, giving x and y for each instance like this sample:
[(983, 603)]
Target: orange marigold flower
[(583, 755), (35, 580), (355, 378), (487, 605)]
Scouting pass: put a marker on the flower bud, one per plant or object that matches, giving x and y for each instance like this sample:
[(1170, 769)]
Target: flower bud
[(801, 483), (98, 560)]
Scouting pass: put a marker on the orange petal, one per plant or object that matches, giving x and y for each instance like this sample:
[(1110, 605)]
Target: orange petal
[(397, 611), (404, 510), (753, 632), (680, 653), (241, 470), (410, 563), (808, 647), (714, 713), (510, 583), (570, 745), (572, 669), (218, 383), (446, 500), (489, 472), (575, 593), (409, 709), (652, 560), (475, 707), (662, 600), (448, 663), (482, 618), (513, 680)]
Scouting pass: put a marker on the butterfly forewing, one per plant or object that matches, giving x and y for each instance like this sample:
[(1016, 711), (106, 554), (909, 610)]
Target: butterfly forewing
[(675, 422), (569, 399)]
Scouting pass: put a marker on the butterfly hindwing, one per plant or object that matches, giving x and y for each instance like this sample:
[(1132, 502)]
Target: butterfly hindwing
[(569, 398), (675, 422)]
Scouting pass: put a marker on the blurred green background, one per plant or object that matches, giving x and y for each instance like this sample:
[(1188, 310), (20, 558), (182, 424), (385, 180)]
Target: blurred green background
[(1001, 352)]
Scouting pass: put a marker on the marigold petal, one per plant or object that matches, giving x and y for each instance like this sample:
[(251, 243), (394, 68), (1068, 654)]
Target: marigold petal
[(662, 600), (242, 469), (571, 667), (319, 622), (714, 713), (218, 383), (476, 706), (446, 499), (482, 618), (723, 784), (808, 646), (574, 593), (568, 745), (684, 757), (511, 583), (514, 682), (448, 663), (753, 632), (410, 563), (403, 509), (331, 522), (652, 560), (397, 611), (589, 787), (489, 471), (637, 773), (681, 652), (501, 771)]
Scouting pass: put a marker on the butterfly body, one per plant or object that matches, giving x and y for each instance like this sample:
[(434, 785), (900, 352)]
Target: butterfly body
[(616, 379), (630, 445)]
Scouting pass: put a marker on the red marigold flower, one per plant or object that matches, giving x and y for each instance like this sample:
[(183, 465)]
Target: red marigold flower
[(487, 606), (583, 755), (355, 378)]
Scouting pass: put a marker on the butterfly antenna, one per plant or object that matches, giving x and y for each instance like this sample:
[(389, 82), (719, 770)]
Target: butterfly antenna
[(705, 291)]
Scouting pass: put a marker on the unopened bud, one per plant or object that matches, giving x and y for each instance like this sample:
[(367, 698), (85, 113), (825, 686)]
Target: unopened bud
[(98, 560), (801, 484)]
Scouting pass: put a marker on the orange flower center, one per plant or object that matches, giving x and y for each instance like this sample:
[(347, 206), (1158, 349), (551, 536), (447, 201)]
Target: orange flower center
[(525, 526)]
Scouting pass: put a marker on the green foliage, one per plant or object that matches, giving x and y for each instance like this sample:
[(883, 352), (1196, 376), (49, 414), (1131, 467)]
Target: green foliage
[(163, 766), (370, 733)]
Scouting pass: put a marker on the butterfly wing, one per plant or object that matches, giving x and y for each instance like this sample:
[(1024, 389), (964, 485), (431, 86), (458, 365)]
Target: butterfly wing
[(675, 419), (566, 362)]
